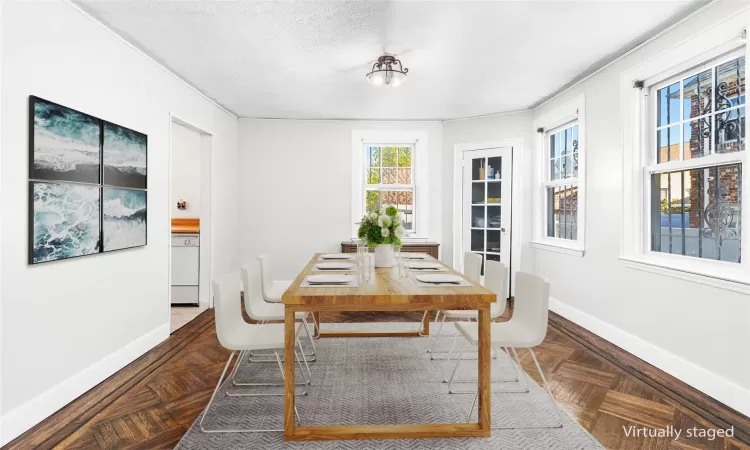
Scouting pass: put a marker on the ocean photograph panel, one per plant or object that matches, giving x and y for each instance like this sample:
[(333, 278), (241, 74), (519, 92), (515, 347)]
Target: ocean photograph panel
[(124, 218), (65, 144), (124, 157), (65, 221)]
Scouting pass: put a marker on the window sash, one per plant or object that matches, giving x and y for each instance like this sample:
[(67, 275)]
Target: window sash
[(548, 182), (380, 187), (652, 116)]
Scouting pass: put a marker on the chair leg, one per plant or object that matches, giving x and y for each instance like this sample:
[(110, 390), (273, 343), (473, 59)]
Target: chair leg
[(546, 387), (498, 380), (434, 341), (283, 377), (310, 337), (309, 374), (455, 369)]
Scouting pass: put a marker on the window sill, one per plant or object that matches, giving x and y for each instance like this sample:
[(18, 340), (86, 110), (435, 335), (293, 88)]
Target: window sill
[(558, 248), (740, 284)]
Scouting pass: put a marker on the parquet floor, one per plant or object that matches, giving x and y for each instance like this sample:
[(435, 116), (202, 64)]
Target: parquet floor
[(153, 408)]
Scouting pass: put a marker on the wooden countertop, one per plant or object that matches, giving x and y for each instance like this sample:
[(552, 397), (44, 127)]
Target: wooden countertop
[(186, 225)]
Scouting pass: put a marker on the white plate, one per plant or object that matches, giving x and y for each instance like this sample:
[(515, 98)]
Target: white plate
[(438, 278), (332, 278), (337, 256), (334, 266), (424, 265), (413, 256)]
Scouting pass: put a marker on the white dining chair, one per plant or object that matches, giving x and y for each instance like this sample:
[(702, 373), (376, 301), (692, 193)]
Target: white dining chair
[(472, 271), (260, 310), (272, 289), (240, 337), (525, 329)]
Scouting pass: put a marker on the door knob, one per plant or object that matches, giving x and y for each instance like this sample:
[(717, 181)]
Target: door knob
[(502, 229)]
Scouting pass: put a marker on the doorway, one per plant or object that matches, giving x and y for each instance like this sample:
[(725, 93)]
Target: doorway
[(191, 250)]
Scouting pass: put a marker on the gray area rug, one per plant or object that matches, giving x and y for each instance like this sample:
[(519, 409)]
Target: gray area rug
[(373, 381)]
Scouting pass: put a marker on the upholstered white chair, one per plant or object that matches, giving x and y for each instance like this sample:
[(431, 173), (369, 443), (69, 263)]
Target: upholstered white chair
[(496, 274), (525, 329), (272, 289), (240, 337), (263, 311)]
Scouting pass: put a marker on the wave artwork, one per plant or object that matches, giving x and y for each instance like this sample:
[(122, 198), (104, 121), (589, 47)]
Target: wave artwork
[(124, 213), (65, 221), (124, 157), (65, 144)]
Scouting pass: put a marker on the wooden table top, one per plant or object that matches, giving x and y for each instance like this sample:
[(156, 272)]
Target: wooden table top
[(388, 291)]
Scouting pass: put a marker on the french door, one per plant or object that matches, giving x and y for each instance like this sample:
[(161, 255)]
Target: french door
[(487, 203)]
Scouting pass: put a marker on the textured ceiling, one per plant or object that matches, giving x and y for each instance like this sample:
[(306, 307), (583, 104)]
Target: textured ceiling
[(307, 59)]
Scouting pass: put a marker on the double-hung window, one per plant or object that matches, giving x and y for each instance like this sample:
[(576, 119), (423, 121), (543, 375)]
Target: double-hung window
[(561, 182), (560, 211), (694, 163), (389, 180)]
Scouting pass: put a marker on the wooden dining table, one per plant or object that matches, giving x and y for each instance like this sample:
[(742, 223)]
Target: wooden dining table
[(386, 292)]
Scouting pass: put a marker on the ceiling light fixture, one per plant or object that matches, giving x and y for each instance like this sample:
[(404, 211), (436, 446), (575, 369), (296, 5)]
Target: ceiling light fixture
[(387, 71)]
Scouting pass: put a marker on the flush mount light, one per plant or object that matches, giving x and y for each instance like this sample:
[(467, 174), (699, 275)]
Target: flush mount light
[(388, 71)]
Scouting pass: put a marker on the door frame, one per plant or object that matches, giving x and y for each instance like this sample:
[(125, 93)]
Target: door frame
[(516, 231), (207, 254)]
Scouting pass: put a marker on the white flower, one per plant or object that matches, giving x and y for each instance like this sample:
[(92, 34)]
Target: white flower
[(373, 215), (384, 221), (399, 232), (385, 232)]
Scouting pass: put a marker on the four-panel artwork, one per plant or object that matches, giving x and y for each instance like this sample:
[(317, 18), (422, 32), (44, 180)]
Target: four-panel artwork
[(87, 182)]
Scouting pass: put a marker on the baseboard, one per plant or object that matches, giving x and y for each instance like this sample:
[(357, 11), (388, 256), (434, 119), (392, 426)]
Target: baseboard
[(715, 386), (22, 418)]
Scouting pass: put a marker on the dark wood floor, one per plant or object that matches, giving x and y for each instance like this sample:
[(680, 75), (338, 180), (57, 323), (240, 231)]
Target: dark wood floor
[(153, 401)]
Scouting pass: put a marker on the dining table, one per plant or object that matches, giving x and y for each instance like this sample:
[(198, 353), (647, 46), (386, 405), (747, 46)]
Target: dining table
[(386, 291)]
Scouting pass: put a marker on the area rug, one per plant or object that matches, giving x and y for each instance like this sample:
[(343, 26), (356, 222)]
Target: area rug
[(374, 381)]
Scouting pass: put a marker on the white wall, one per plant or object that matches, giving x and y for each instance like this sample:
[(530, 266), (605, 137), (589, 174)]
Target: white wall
[(484, 129), (697, 333), (67, 325), (284, 212), (186, 171)]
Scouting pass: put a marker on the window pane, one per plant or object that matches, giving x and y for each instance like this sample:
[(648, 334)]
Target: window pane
[(697, 89), (669, 104), (372, 156), (477, 193), (404, 176), (697, 136), (697, 212), (564, 153), (389, 156), (402, 200), (562, 212), (555, 168), (389, 174), (730, 84), (730, 130), (494, 217), (477, 240), (404, 157), (668, 144), (556, 144), (477, 217), (373, 176)]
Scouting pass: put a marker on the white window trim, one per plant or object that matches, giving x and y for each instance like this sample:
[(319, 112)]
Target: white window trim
[(573, 111), (418, 139), (637, 151)]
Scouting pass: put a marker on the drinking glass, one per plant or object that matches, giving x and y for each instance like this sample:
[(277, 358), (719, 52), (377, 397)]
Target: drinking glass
[(397, 260)]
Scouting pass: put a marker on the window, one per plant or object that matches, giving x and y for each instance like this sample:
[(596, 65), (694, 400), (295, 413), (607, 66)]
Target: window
[(695, 161), (561, 183), (389, 167), (560, 202), (389, 180)]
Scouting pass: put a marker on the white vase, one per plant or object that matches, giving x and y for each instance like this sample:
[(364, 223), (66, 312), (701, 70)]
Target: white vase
[(384, 255)]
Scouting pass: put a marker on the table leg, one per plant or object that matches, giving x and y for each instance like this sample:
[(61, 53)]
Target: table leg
[(289, 341), (484, 369), (426, 324)]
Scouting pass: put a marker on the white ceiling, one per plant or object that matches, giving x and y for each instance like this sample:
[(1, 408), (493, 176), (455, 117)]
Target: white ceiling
[(308, 59)]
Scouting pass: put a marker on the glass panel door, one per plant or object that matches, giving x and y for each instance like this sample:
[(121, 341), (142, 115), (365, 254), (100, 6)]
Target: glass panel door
[(486, 204)]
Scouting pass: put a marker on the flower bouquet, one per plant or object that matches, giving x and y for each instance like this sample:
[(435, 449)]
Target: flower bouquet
[(382, 229)]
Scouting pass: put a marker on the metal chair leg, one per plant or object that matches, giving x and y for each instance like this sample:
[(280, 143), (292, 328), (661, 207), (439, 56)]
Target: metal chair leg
[(283, 377), (546, 387), (433, 339), (309, 374), (213, 396), (431, 349)]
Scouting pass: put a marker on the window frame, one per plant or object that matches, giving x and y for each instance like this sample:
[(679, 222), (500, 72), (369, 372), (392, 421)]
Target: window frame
[(653, 167), (635, 252), (380, 187), (568, 115), (417, 140)]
